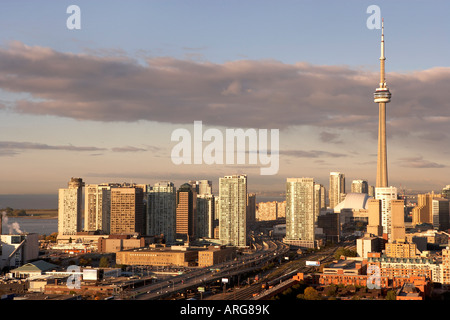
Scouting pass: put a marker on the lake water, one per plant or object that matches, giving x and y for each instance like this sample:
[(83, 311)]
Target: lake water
[(48, 226), (40, 226)]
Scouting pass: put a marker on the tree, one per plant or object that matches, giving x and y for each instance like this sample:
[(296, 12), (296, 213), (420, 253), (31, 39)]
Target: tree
[(344, 252), (71, 262), (52, 237), (104, 262), (391, 295), (311, 294), (85, 262), (331, 291)]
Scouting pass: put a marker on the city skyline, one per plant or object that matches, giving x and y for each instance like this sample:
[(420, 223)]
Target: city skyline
[(102, 106)]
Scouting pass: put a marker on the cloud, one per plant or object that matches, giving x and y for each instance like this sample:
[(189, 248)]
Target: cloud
[(127, 149), (244, 93), (312, 154), (433, 136), (12, 147), (329, 137), (419, 162)]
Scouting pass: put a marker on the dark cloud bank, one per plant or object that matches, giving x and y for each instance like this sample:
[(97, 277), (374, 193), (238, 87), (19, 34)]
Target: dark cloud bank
[(258, 94)]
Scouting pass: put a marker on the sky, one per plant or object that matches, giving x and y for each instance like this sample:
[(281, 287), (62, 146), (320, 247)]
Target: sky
[(103, 101)]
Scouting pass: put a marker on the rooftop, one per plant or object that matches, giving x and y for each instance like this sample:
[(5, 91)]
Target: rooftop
[(342, 264), (36, 266), (354, 201)]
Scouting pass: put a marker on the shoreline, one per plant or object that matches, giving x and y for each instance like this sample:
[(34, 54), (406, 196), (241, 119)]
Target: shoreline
[(37, 214), (32, 217)]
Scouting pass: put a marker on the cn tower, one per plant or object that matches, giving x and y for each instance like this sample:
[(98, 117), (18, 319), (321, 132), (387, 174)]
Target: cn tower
[(382, 96)]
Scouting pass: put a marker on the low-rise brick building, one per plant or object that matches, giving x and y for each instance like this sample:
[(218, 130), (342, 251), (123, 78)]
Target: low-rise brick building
[(215, 254)]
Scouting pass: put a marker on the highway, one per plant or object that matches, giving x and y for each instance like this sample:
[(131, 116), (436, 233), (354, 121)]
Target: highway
[(266, 251), (281, 274)]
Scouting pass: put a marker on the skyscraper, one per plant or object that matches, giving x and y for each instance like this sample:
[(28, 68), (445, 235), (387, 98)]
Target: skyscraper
[(251, 207), (337, 188), (360, 186), (323, 197), (97, 208), (127, 210), (70, 201), (318, 189), (423, 213), (371, 191), (386, 195), (398, 220), (233, 210), (202, 186), (204, 217), (300, 209), (161, 210), (382, 96), (446, 192), (204, 222), (186, 212), (375, 226), (441, 214)]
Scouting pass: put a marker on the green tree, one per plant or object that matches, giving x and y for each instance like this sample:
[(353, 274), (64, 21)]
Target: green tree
[(104, 262), (344, 252), (391, 295), (311, 294), (52, 237), (19, 213), (331, 291), (85, 262)]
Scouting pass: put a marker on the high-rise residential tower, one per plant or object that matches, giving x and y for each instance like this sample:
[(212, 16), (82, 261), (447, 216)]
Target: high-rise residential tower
[(204, 217), (386, 195), (205, 222), (127, 210), (300, 209), (202, 186), (161, 210), (337, 188), (70, 201), (318, 189), (382, 96), (233, 210), (360, 186), (97, 208), (446, 192), (251, 207)]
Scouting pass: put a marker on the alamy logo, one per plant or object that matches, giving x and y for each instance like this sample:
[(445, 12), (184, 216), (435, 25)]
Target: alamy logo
[(374, 21), (74, 20), (374, 280), (74, 280), (231, 150)]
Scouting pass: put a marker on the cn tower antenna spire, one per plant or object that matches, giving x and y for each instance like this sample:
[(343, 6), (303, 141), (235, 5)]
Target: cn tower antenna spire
[(382, 58), (382, 96)]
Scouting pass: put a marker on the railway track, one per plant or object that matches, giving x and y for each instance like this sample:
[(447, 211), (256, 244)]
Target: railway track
[(281, 274)]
